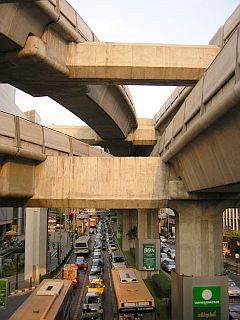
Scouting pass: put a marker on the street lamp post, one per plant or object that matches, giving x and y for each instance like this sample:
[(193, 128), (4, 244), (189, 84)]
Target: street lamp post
[(17, 262), (168, 226)]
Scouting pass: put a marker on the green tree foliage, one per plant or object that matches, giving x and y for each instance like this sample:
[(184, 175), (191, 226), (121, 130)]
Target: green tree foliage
[(132, 233)]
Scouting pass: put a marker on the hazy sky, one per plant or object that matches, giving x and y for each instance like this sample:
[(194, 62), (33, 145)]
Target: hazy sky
[(152, 21)]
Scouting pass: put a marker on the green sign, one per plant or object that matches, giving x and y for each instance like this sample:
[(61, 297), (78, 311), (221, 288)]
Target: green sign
[(206, 303), (3, 293), (149, 256)]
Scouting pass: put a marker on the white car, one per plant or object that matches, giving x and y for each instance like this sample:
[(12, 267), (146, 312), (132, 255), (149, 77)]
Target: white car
[(171, 253), (168, 265), (233, 289), (163, 256), (163, 239)]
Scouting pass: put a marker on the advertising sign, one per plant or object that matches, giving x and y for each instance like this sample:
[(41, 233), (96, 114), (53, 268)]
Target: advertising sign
[(207, 302), (3, 293), (149, 256)]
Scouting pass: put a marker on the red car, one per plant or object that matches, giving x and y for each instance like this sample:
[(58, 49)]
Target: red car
[(81, 263)]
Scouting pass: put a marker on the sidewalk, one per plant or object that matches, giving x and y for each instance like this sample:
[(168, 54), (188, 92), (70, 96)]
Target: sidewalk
[(53, 260), (232, 266)]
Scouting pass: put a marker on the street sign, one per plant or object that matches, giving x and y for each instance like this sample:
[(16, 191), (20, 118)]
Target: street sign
[(3, 293), (207, 302), (149, 256)]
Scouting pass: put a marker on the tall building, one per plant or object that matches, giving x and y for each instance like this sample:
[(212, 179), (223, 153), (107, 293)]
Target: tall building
[(10, 218), (231, 219), (7, 100), (33, 116)]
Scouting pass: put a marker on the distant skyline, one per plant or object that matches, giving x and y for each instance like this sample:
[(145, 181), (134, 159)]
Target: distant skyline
[(155, 21)]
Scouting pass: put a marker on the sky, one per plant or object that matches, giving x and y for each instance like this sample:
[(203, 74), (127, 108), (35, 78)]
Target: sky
[(141, 21)]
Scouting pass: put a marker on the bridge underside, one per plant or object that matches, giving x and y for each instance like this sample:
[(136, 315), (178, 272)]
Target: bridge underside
[(210, 163), (94, 182), (33, 60), (85, 182)]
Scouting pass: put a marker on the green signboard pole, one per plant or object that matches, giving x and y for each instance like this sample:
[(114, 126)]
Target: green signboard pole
[(3, 293), (207, 303), (149, 256)]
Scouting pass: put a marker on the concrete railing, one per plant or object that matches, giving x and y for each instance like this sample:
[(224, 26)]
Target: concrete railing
[(177, 98), (22, 138), (214, 95)]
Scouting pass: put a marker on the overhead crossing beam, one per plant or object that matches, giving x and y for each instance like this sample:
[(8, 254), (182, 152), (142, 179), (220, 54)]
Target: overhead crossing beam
[(129, 63)]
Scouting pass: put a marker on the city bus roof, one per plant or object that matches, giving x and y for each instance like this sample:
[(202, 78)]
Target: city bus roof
[(45, 301), (130, 288)]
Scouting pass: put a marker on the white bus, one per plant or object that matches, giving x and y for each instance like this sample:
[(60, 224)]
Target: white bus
[(82, 245)]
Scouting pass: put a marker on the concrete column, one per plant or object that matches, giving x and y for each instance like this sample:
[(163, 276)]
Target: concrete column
[(199, 239), (147, 238), (128, 221), (119, 223), (199, 260), (148, 224), (35, 243), (125, 228), (19, 221)]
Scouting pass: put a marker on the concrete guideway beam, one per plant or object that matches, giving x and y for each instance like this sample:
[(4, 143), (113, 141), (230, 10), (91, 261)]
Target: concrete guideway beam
[(41, 71), (92, 183), (144, 134), (162, 64)]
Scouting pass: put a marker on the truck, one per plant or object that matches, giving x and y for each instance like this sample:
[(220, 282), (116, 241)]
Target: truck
[(70, 272), (80, 227), (92, 222)]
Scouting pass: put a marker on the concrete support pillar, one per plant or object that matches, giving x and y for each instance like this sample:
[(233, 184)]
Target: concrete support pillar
[(148, 243), (35, 243), (147, 224), (198, 281), (119, 223), (129, 220), (199, 238), (20, 215)]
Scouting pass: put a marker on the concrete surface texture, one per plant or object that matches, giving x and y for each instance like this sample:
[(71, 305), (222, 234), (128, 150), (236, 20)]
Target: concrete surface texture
[(139, 63)]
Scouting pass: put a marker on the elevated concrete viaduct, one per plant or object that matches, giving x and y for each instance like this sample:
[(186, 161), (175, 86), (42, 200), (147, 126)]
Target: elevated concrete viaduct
[(33, 59), (139, 142), (193, 169)]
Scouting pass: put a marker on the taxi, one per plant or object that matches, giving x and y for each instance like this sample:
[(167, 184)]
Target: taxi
[(96, 285)]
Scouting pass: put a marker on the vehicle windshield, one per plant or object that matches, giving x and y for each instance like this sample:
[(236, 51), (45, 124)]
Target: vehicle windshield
[(93, 299), (231, 283), (95, 285), (118, 259), (95, 263)]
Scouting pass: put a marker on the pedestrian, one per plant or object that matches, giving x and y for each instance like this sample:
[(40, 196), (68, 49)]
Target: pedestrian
[(236, 257), (88, 309)]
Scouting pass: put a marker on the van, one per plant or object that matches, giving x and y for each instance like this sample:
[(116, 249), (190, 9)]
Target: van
[(92, 306), (117, 259)]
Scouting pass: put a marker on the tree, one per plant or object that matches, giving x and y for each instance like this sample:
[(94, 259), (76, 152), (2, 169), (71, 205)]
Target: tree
[(132, 234)]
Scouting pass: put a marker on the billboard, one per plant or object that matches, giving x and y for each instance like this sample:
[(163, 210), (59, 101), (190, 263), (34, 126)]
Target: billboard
[(149, 256), (207, 302), (3, 293)]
